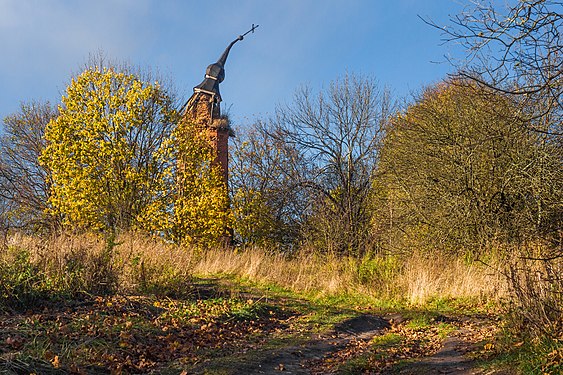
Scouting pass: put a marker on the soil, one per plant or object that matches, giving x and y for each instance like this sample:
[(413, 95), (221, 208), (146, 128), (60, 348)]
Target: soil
[(300, 359), (260, 334), (448, 360), (306, 358)]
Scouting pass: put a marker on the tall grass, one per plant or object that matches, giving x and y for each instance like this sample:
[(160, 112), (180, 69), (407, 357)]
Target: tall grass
[(536, 282), (67, 266), (414, 279), (34, 269), (425, 278)]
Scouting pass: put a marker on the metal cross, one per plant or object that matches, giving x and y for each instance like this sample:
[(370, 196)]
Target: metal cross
[(254, 27)]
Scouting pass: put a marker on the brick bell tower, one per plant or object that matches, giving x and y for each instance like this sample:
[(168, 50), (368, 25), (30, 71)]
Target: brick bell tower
[(203, 109)]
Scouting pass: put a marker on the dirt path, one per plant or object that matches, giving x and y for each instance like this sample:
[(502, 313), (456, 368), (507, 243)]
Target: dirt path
[(301, 359), (228, 329), (365, 344), (448, 360), (327, 353)]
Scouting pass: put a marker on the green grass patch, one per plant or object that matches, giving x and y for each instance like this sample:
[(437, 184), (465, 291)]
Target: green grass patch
[(527, 356), (387, 340), (357, 365)]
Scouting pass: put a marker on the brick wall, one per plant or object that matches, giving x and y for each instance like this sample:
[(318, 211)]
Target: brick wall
[(203, 113)]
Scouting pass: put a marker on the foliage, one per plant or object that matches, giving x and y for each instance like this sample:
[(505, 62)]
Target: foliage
[(545, 357), (268, 209), (313, 163), (460, 169), (201, 203), (105, 151), (20, 281), (373, 269), (24, 183)]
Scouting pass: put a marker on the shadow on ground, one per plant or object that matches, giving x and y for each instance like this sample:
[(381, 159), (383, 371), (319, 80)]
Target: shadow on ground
[(223, 327)]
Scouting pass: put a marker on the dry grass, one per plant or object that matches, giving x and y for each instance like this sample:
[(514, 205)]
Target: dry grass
[(425, 278), (303, 273), (414, 279), (536, 284), (69, 265), (136, 264)]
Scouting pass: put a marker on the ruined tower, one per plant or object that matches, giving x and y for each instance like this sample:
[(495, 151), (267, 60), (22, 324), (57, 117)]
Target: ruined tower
[(204, 110)]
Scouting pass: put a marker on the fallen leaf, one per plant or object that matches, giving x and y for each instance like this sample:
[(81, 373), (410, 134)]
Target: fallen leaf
[(55, 362), (489, 346)]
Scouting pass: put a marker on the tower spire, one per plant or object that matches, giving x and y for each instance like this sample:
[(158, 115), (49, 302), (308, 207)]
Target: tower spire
[(215, 73), (202, 111)]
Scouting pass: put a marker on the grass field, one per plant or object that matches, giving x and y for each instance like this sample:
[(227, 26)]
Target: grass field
[(78, 304)]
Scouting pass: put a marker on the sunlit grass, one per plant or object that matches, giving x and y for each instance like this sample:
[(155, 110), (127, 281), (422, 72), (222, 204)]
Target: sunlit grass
[(71, 265), (195, 288)]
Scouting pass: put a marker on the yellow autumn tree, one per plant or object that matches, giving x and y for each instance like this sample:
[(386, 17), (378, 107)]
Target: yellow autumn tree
[(108, 154), (201, 204)]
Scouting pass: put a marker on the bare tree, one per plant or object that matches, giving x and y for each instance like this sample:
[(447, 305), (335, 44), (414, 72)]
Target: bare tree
[(269, 207), (24, 183), (518, 53), (330, 142)]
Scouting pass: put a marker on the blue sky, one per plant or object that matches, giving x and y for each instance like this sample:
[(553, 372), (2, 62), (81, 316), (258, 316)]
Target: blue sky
[(44, 42)]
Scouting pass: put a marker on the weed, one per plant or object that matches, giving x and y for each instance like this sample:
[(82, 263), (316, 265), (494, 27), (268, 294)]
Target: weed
[(21, 282), (420, 321)]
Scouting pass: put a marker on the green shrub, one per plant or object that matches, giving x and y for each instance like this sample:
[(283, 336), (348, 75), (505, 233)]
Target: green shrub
[(164, 279), (21, 282), (378, 269)]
